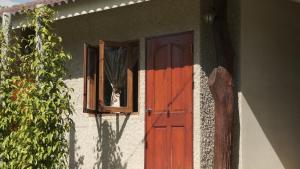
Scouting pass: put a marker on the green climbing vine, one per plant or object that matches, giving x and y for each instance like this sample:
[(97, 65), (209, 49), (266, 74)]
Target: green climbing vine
[(35, 102)]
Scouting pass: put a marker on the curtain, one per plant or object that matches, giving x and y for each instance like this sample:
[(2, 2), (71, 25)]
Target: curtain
[(115, 68)]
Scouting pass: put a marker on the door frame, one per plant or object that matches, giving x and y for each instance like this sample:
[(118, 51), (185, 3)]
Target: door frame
[(145, 105)]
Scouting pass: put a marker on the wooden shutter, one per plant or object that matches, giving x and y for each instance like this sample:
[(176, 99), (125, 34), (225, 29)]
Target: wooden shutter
[(90, 73)]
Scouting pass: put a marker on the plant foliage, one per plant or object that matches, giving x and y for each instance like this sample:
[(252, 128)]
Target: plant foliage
[(35, 102)]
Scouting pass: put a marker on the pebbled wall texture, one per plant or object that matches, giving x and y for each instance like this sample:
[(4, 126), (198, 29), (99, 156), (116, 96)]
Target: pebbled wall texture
[(207, 63)]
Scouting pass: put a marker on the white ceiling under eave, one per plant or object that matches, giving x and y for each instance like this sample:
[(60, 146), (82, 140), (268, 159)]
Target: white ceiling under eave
[(78, 8)]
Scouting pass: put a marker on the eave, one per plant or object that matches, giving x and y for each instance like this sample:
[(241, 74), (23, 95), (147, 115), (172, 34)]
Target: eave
[(65, 8)]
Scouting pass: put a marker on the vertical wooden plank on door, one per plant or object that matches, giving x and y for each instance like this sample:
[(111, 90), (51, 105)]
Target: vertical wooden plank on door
[(169, 79), (149, 146)]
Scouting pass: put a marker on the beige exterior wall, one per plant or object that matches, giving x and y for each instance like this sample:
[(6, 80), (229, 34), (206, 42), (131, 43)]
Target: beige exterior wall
[(269, 93), (117, 142)]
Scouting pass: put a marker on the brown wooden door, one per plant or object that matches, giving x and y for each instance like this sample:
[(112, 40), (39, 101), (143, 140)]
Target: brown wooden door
[(169, 102)]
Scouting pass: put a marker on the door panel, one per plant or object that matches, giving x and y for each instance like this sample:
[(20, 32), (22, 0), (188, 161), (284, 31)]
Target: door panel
[(178, 93), (169, 99), (178, 147), (161, 79), (161, 143)]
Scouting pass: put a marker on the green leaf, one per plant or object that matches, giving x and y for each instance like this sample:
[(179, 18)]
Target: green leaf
[(35, 106)]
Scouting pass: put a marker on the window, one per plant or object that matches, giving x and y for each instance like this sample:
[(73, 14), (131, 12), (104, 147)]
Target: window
[(110, 77)]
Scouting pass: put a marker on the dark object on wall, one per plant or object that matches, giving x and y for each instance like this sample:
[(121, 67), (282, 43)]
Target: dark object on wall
[(220, 84)]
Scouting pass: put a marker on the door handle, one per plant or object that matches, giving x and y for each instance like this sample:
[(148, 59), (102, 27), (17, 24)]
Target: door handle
[(149, 111)]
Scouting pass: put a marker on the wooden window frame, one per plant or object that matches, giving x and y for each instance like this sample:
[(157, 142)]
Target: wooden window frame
[(99, 90), (101, 106)]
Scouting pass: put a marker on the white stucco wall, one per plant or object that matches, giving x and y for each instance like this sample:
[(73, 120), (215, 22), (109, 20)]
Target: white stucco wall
[(156, 17), (269, 93)]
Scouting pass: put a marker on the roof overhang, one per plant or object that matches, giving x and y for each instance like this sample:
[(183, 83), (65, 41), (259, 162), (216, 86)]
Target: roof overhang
[(66, 8)]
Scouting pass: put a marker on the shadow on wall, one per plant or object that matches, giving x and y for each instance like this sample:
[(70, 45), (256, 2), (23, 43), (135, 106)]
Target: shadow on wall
[(109, 155), (275, 111), (270, 129), (74, 162), (270, 68)]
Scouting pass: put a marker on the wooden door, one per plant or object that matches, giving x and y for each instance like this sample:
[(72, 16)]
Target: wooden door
[(169, 102)]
